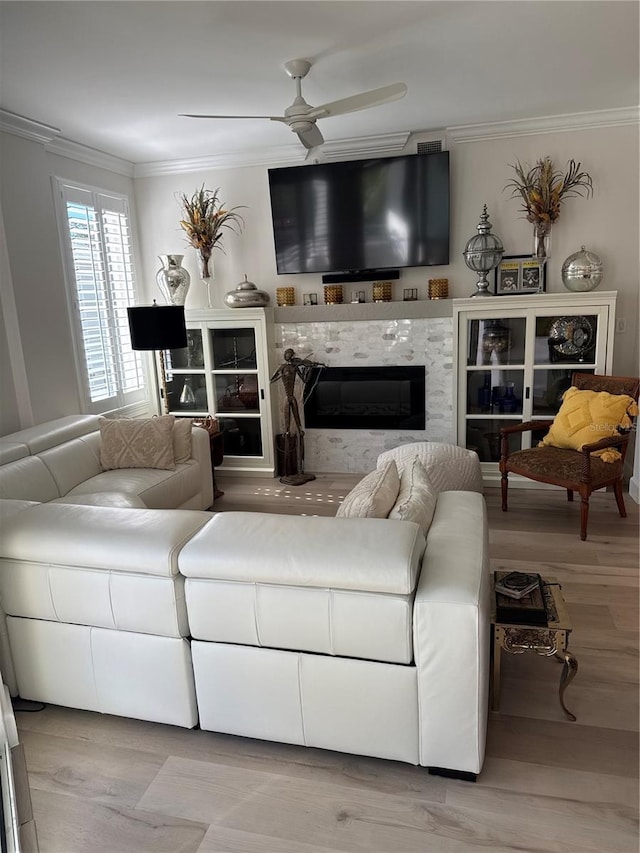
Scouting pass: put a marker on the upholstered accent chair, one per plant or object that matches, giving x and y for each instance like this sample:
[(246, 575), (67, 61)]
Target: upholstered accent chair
[(575, 470)]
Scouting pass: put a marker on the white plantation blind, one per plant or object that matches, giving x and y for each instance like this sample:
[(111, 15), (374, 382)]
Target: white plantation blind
[(98, 238)]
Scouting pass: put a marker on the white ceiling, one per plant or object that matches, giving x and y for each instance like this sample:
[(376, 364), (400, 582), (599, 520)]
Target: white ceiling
[(115, 75)]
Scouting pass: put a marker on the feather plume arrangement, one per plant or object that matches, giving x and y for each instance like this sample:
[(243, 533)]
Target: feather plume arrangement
[(543, 188), (204, 219)]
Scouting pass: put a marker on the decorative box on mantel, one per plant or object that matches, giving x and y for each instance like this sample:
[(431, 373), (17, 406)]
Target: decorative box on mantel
[(514, 359)]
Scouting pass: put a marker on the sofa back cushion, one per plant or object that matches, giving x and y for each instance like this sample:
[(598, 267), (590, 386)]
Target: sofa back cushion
[(27, 479), (374, 496), (417, 497), (71, 463), (137, 443), (182, 429)]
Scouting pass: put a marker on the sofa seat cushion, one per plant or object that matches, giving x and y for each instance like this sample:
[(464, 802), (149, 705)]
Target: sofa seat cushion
[(118, 499), (158, 489), (11, 507), (145, 542), (298, 582)]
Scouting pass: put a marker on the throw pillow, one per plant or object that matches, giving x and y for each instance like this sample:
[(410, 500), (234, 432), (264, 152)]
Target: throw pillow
[(587, 416), (182, 440), (374, 496), (137, 443), (417, 497)]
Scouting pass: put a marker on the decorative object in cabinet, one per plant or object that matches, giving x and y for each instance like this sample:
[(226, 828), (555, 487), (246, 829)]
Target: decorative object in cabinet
[(496, 339), (582, 271), (483, 253)]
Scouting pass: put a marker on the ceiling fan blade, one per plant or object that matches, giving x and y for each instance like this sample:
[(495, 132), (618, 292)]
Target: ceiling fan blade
[(311, 138), (360, 102), (192, 115)]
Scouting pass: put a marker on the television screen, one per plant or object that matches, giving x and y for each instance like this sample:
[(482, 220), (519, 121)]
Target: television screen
[(383, 213)]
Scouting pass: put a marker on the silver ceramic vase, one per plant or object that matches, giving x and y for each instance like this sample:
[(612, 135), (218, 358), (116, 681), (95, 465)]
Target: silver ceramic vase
[(173, 279)]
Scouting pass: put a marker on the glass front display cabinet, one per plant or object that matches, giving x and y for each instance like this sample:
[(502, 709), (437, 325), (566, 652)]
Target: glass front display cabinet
[(515, 358), (224, 371)]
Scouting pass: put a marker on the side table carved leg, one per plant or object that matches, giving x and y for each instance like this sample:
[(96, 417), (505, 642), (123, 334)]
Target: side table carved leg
[(567, 675), (495, 683)]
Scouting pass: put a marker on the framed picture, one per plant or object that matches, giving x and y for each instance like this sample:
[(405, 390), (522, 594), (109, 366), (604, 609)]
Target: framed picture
[(518, 274)]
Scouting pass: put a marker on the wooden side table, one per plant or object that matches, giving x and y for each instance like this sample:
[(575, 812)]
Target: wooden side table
[(552, 641)]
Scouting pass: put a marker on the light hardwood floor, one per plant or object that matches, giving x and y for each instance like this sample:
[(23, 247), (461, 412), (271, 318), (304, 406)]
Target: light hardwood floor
[(110, 785)]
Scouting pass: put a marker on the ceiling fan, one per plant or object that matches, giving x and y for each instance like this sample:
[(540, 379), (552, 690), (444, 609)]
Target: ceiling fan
[(301, 118)]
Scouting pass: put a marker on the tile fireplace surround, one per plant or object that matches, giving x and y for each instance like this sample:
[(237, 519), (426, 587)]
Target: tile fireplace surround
[(373, 341)]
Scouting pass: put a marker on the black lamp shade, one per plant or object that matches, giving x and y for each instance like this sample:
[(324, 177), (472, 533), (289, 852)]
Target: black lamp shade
[(157, 327)]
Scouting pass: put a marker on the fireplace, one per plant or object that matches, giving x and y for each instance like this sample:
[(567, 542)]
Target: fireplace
[(366, 398)]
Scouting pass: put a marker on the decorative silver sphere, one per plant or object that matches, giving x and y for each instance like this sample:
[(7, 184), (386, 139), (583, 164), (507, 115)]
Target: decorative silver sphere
[(582, 271), (246, 295), (483, 253)]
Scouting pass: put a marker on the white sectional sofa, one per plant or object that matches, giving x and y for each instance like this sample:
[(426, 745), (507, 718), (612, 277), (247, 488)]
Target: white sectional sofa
[(352, 634)]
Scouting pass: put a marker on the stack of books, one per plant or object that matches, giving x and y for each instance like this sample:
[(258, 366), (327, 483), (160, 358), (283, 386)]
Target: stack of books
[(519, 599)]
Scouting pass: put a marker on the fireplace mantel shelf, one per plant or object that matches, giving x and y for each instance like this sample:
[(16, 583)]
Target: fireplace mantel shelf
[(350, 312)]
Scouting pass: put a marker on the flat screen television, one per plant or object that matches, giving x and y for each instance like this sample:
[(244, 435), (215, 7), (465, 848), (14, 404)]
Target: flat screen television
[(382, 213)]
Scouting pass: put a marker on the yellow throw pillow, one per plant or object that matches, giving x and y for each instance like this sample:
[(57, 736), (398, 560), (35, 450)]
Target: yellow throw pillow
[(587, 416)]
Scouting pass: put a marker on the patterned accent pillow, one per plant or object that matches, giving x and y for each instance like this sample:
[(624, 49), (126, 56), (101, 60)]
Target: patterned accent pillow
[(374, 496), (587, 416), (137, 443), (182, 440), (417, 497)]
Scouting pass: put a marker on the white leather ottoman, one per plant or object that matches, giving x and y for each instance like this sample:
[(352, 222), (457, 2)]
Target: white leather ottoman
[(292, 616)]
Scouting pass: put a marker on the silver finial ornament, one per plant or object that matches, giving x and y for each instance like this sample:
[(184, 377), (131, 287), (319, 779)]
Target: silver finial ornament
[(483, 253)]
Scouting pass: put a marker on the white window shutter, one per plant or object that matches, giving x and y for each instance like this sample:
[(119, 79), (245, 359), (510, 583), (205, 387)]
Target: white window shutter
[(99, 240)]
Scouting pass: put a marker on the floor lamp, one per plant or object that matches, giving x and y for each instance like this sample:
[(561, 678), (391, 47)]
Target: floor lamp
[(158, 328)]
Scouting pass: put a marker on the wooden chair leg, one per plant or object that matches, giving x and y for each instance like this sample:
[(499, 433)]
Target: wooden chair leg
[(570, 495), (584, 516), (617, 490), (504, 487)]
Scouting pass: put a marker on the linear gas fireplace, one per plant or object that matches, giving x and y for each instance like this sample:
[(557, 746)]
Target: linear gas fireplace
[(366, 398)]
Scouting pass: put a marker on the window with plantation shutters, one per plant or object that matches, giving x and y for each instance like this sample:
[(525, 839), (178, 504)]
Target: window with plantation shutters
[(97, 237)]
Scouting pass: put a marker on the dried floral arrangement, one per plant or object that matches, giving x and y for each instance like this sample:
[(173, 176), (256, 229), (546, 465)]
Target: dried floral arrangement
[(204, 219), (543, 188)]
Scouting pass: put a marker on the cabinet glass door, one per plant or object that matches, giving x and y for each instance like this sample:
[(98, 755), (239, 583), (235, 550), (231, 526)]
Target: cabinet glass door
[(499, 341), (236, 389), (233, 349), (186, 380)]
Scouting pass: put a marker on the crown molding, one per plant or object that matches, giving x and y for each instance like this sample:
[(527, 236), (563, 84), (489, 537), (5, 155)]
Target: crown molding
[(27, 128), (544, 124), (268, 157), (282, 155), (91, 156)]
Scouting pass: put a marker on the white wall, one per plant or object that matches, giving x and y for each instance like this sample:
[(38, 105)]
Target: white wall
[(35, 261), (608, 223)]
